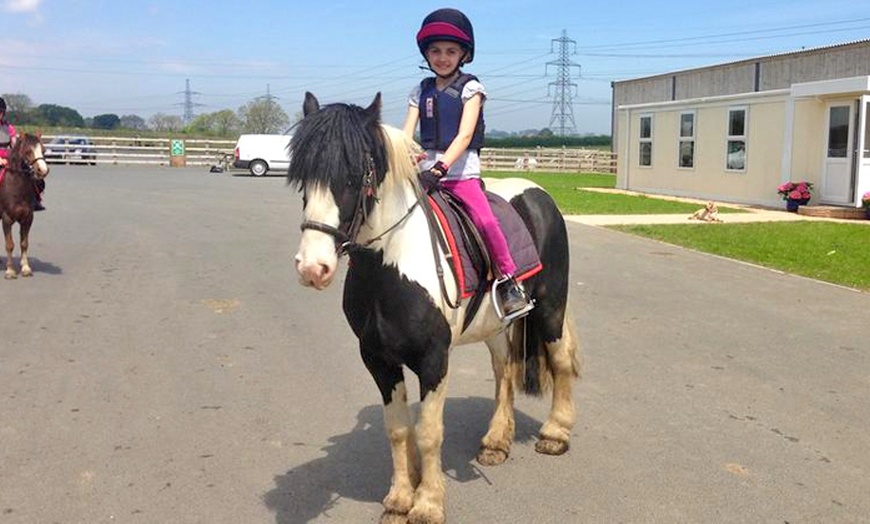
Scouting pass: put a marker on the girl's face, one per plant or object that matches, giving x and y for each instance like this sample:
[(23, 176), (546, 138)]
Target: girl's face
[(444, 56)]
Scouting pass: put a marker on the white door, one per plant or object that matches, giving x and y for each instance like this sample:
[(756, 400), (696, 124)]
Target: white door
[(862, 177), (837, 175)]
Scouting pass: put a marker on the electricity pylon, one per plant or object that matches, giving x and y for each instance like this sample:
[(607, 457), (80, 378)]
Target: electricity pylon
[(562, 119)]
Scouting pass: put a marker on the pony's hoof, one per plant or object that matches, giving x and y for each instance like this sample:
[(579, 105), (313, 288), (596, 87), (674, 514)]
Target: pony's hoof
[(430, 515), (26, 272), (393, 518), (10, 275), (551, 447), (398, 502), (491, 457)]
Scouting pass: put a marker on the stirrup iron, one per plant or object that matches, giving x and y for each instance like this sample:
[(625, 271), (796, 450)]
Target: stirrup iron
[(496, 301)]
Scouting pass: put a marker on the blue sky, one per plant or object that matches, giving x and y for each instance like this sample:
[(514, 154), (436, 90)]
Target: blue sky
[(134, 56)]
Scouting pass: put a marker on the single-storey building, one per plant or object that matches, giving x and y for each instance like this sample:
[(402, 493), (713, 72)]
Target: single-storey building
[(734, 132)]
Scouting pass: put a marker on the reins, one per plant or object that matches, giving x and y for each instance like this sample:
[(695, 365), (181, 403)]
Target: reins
[(437, 240)]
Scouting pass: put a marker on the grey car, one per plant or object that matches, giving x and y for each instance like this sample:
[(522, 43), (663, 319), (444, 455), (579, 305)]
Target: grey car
[(71, 149)]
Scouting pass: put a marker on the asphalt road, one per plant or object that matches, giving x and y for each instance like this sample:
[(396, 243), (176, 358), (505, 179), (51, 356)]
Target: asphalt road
[(163, 366)]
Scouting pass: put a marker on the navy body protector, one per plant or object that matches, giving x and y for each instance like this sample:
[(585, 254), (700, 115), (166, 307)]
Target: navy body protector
[(441, 112)]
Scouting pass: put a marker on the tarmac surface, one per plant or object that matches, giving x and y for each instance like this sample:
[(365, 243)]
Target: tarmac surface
[(164, 366)]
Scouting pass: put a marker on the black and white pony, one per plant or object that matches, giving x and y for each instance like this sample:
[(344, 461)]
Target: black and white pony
[(362, 197)]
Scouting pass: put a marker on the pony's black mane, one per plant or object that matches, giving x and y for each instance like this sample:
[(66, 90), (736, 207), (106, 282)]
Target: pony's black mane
[(332, 147)]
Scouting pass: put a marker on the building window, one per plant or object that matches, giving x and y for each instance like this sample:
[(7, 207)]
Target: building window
[(735, 158), (687, 139), (645, 156), (838, 131)]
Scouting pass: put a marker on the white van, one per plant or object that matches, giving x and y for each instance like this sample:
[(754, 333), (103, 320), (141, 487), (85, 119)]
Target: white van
[(262, 153)]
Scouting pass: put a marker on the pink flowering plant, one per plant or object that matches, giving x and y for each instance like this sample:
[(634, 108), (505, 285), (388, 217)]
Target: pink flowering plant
[(795, 190), (865, 200)]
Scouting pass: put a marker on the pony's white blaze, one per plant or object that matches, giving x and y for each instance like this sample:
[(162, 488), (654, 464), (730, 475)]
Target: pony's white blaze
[(316, 260), (41, 165)]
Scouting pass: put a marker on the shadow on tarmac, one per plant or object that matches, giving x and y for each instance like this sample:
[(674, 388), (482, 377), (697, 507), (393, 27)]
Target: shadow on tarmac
[(358, 466)]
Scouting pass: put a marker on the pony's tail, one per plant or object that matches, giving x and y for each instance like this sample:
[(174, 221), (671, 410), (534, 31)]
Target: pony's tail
[(536, 361)]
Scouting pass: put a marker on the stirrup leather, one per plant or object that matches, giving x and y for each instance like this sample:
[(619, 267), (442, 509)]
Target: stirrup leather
[(496, 301)]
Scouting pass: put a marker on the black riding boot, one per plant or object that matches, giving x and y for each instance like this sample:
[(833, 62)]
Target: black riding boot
[(512, 297)]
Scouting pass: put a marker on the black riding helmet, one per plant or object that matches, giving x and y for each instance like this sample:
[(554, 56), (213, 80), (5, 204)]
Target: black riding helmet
[(447, 24)]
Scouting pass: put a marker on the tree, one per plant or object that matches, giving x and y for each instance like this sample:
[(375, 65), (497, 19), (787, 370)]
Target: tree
[(161, 122), (55, 115), (220, 123), (134, 122), (17, 102), (19, 108), (226, 123), (263, 116), (106, 121)]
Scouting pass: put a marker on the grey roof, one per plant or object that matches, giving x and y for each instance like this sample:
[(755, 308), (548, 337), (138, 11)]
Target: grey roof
[(865, 41)]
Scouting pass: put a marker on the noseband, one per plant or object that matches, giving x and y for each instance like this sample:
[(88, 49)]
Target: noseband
[(345, 235), (28, 166)]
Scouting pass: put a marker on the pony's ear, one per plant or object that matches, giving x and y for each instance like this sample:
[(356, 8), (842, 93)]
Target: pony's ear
[(311, 105), (373, 111)]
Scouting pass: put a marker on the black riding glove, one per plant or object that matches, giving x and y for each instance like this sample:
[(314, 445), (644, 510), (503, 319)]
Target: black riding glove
[(429, 181)]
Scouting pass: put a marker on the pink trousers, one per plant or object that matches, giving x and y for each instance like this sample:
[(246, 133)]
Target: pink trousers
[(470, 193)]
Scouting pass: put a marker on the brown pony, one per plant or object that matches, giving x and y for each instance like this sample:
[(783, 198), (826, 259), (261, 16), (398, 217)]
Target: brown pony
[(26, 162)]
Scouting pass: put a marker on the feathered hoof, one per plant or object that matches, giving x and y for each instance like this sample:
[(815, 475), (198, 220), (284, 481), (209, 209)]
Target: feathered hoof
[(26, 272), (393, 518), (491, 457), (10, 275), (551, 447), (429, 515)]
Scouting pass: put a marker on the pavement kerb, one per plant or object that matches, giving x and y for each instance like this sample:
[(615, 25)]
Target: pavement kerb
[(752, 214)]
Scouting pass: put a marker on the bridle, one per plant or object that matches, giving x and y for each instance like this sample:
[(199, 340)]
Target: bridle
[(345, 234), (27, 167)]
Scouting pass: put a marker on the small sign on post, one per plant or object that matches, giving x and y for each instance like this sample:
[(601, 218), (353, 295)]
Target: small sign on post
[(177, 158)]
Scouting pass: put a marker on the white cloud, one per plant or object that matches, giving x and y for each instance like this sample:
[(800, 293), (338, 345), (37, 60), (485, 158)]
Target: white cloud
[(21, 6)]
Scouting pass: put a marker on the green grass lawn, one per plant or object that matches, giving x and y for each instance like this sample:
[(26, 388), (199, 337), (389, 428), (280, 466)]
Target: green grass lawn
[(573, 201), (830, 251)]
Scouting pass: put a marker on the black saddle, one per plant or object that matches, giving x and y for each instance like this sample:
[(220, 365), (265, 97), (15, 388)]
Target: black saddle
[(465, 250)]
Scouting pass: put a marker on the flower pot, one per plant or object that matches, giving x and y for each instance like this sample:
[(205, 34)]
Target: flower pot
[(792, 204)]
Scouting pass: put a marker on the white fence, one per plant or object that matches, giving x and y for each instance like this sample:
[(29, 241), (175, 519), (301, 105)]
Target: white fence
[(137, 150), (207, 152), (549, 159)]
